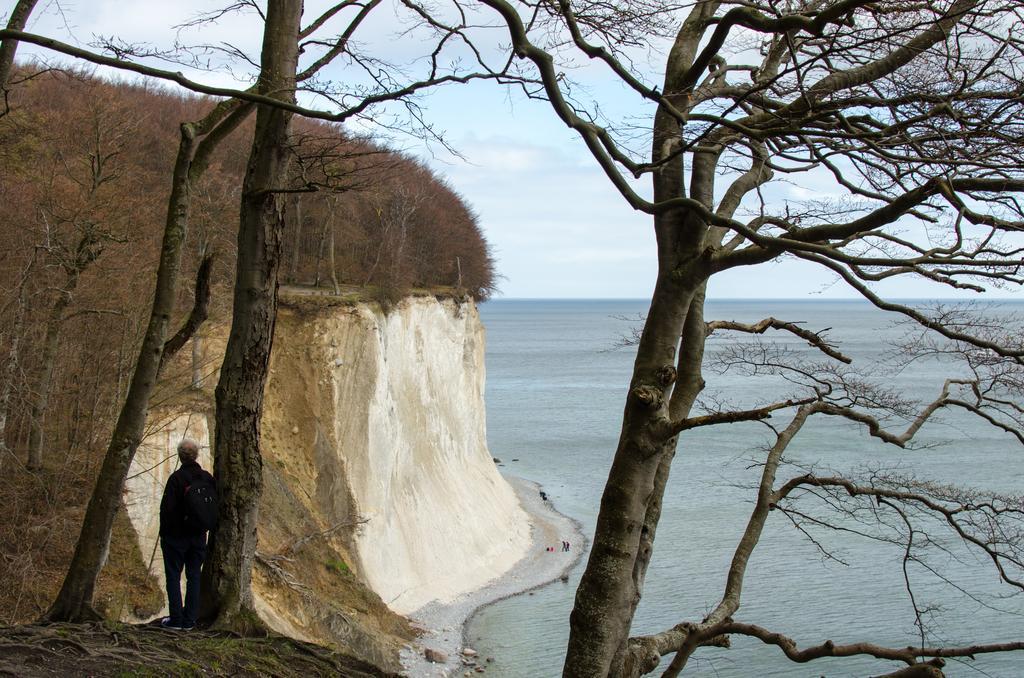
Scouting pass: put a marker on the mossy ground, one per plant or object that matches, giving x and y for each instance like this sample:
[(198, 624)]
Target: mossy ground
[(127, 651)]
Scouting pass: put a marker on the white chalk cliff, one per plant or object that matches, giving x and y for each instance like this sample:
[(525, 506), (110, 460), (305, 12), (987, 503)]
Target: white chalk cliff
[(441, 520), (374, 419)]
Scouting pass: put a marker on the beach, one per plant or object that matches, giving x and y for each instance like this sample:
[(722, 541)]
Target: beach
[(443, 625)]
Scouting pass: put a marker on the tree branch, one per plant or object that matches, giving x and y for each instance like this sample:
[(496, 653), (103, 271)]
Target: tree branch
[(732, 417), (814, 339), (200, 309), (1016, 354), (958, 517), (246, 95), (909, 655), (8, 46)]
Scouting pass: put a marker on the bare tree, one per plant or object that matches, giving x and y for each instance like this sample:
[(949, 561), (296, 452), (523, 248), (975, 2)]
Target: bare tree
[(910, 112), (238, 460), (12, 364), (75, 233), (73, 262)]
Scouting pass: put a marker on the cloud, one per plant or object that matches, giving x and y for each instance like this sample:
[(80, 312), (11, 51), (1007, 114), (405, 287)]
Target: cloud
[(593, 255), (507, 155)]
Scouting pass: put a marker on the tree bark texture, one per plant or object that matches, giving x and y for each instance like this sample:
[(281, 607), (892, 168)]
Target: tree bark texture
[(689, 383), (237, 460), (610, 588)]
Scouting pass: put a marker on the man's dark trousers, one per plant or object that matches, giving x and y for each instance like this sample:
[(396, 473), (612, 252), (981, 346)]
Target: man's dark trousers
[(185, 552)]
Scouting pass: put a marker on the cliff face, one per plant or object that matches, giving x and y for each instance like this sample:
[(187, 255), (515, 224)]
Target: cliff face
[(376, 468), (441, 520)]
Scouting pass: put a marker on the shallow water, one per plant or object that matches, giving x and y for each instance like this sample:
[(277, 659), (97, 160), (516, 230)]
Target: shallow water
[(554, 404)]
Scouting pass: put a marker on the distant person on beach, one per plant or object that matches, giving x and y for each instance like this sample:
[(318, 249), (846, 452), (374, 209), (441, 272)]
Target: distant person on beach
[(543, 496), (188, 510)]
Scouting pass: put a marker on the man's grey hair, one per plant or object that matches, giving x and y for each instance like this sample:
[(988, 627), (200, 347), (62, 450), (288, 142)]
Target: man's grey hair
[(188, 450)]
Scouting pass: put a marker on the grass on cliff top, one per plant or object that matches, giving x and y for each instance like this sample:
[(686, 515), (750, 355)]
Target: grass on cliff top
[(307, 297), (124, 651)]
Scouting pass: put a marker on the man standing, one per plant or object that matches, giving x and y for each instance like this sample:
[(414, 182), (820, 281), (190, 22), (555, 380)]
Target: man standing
[(185, 516)]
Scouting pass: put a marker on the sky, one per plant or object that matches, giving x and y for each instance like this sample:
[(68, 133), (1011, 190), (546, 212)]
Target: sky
[(557, 227)]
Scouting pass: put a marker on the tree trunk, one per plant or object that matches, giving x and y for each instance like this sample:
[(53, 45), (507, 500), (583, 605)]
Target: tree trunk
[(197, 360), (11, 369), (334, 262), (44, 382), (74, 601), (238, 464), (611, 586), (607, 594), (320, 255), (294, 270), (689, 384), (16, 22)]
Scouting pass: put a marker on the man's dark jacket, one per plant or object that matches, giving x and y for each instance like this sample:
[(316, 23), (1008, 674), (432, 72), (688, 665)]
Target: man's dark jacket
[(172, 506)]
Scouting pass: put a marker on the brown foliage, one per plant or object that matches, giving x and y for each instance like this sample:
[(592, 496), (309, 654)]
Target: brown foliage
[(391, 222)]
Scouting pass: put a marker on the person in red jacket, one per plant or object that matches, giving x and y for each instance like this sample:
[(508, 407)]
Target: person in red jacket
[(183, 542)]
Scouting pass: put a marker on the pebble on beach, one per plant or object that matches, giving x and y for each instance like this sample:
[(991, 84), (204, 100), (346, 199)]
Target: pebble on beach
[(435, 656)]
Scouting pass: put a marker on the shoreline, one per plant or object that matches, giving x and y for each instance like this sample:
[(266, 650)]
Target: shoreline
[(444, 626)]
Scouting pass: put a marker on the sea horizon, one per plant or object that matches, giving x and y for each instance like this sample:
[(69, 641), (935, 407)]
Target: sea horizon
[(986, 301)]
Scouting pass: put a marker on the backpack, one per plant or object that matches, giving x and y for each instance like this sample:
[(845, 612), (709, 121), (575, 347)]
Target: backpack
[(201, 504)]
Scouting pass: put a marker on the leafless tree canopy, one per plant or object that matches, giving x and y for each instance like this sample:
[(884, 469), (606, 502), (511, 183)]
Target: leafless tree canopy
[(877, 140)]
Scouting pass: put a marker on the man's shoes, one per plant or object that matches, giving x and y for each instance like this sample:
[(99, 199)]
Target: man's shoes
[(167, 624)]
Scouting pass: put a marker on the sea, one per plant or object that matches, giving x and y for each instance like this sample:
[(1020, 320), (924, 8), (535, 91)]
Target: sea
[(557, 375)]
